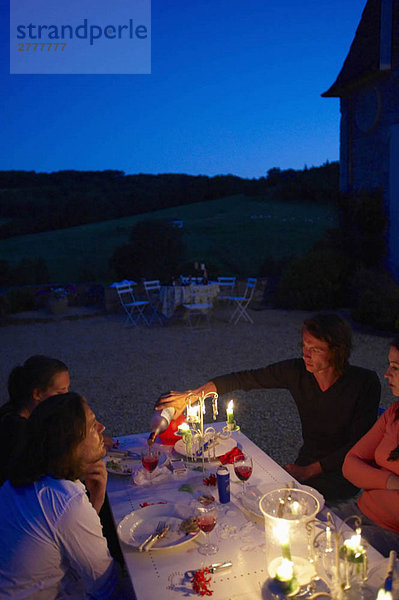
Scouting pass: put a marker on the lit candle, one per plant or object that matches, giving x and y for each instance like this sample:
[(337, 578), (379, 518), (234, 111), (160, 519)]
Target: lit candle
[(184, 430), (353, 548), (285, 578), (285, 570), (281, 531), (193, 415), (295, 508), (383, 595), (230, 415)]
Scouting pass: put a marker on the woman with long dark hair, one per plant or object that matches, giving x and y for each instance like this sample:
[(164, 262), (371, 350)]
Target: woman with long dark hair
[(373, 464), (52, 541)]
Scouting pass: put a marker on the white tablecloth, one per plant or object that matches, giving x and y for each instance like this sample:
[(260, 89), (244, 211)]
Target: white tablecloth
[(240, 535)]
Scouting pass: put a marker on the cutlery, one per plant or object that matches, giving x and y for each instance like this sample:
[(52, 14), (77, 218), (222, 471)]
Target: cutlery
[(123, 454), (214, 568), (160, 527), (156, 537)]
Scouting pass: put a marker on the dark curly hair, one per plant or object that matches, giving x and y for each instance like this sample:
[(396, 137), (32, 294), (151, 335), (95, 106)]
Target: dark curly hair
[(336, 332), (54, 430)]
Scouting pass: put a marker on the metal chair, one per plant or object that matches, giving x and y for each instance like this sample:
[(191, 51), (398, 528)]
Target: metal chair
[(226, 286), (199, 307), (242, 302), (133, 308), (153, 291)]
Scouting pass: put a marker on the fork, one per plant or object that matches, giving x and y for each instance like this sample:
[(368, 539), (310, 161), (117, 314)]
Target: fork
[(155, 535)]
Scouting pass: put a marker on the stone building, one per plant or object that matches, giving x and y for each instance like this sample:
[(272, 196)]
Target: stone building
[(368, 88)]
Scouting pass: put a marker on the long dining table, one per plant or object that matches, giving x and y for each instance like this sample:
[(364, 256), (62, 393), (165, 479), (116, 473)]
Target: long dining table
[(239, 532)]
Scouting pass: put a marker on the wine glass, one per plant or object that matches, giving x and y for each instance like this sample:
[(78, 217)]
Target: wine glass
[(149, 460), (243, 469), (206, 516)]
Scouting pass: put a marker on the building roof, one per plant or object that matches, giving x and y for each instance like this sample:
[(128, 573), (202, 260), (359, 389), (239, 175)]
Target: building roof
[(363, 60)]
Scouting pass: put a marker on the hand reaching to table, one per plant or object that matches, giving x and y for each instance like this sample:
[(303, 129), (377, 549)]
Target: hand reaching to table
[(179, 399), (96, 482)]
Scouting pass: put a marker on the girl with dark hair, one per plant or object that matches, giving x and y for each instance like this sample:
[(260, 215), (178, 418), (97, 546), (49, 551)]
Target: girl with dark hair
[(52, 541), (28, 385), (373, 464)]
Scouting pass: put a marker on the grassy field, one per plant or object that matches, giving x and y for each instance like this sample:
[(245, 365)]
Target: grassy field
[(238, 233)]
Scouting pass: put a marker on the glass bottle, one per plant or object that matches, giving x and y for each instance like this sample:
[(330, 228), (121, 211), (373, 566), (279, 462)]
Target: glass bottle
[(160, 422)]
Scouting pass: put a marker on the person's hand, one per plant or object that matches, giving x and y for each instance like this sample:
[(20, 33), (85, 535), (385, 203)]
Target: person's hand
[(304, 473), (179, 400), (95, 480), (173, 398)]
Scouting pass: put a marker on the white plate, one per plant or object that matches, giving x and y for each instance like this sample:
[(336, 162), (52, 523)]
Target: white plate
[(139, 524), (125, 463), (224, 445), (251, 500)]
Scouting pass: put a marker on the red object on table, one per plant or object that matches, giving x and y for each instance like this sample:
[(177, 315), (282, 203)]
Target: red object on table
[(230, 456), (168, 437)]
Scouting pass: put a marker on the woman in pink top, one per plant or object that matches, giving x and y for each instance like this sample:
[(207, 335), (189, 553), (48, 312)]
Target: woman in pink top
[(373, 465)]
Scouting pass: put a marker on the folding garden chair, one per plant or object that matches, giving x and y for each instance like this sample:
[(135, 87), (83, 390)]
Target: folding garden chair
[(134, 308), (153, 291), (242, 302), (199, 307), (226, 286)]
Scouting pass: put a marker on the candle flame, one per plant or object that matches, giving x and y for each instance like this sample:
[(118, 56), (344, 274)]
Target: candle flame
[(285, 570), (230, 406), (281, 531)]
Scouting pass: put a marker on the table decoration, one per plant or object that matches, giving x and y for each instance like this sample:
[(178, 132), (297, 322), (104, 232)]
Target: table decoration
[(286, 513), (385, 593), (204, 441), (341, 558)]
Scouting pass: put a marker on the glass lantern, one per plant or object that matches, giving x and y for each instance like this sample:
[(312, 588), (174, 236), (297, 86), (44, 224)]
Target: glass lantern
[(286, 513)]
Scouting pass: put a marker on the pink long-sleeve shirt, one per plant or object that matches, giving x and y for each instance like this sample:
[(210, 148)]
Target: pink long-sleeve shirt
[(367, 466)]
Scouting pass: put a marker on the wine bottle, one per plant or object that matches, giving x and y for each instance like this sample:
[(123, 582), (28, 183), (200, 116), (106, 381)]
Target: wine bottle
[(160, 422)]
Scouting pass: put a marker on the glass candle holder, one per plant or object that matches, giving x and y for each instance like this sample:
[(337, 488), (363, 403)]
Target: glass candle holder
[(286, 512)]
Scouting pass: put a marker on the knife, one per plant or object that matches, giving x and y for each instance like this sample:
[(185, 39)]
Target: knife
[(154, 538), (214, 568)]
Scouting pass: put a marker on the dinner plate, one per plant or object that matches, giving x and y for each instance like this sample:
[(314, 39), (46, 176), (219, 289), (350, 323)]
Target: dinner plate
[(251, 499), (124, 468), (135, 528), (223, 446)]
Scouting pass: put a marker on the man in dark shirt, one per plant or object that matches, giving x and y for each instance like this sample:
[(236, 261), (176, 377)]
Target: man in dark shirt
[(337, 402)]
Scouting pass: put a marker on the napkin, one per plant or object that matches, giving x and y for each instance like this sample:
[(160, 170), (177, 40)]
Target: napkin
[(141, 476), (230, 456)]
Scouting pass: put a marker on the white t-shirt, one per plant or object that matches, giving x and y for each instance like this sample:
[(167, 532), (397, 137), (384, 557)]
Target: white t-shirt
[(51, 543)]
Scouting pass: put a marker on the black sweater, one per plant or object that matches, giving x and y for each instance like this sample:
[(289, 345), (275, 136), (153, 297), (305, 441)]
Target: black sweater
[(332, 421)]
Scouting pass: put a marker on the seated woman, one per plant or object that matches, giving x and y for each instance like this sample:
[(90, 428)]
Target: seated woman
[(28, 385), (52, 542), (372, 464)]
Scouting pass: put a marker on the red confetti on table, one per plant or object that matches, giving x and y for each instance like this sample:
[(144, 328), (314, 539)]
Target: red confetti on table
[(200, 582)]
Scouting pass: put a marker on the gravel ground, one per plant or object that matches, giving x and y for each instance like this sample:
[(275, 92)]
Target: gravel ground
[(122, 370)]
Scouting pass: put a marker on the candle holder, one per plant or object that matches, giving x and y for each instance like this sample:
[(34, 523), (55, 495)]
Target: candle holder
[(286, 513), (203, 441), (340, 555)]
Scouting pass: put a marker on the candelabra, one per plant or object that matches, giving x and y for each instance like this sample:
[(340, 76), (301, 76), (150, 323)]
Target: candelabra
[(341, 559), (200, 442)]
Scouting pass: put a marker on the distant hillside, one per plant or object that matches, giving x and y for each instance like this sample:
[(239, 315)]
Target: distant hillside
[(236, 234), (36, 202)]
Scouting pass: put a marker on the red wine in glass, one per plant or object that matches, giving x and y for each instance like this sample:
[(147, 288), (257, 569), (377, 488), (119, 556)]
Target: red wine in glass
[(206, 522), (243, 472), (206, 517), (243, 469), (149, 462)]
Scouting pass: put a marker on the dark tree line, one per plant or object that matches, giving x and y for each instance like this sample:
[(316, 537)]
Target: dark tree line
[(33, 202)]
